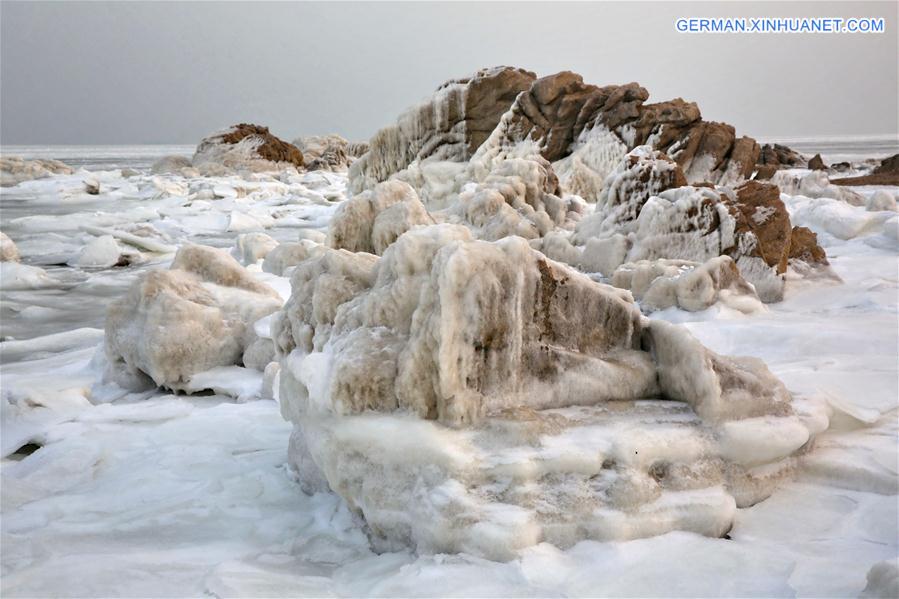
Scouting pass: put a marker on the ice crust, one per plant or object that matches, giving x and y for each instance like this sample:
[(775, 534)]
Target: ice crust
[(174, 324), (481, 354), (165, 495)]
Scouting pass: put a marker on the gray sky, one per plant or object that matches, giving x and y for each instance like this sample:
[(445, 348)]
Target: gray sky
[(140, 72)]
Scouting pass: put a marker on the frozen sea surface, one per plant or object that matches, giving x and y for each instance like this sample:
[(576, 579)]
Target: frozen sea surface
[(163, 495)]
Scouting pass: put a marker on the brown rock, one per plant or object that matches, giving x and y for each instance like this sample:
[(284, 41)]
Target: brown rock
[(490, 94), (887, 173), (554, 111), (271, 148), (557, 108), (888, 165), (765, 172), (780, 156), (817, 163), (759, 209), (743, 156), (804, 246)]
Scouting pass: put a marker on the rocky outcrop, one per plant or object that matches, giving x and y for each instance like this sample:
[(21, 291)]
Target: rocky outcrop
[(780, 156), (560, 116), (173, 324), (450, 126), (645, 212), (455, 381), (887, 173), (249, 147), (15, 170)]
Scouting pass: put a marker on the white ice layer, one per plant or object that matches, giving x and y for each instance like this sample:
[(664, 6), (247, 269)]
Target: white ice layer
[(509, 393), (155, 494)]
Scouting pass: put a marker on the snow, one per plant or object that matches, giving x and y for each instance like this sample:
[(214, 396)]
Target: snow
[(149, 493)]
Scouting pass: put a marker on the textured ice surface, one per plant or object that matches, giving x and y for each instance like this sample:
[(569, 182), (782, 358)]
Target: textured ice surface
[(160, 495)]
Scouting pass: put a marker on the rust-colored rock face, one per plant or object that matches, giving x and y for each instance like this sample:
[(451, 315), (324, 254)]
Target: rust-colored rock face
[(804, 246), (762, 212), (271, 148)]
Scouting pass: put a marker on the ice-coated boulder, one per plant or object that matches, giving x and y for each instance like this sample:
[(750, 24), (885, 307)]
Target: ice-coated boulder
[(8, 250), (645, 212), (373, 219), (245, 147), (465, 395), (250, 247), (691, 286), (173, 164), (175, 323), (641, 174), (15, 170), (814, 184), (286, 255), (324, 152)]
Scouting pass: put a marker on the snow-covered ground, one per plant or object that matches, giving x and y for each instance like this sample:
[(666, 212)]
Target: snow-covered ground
[(164, 495)]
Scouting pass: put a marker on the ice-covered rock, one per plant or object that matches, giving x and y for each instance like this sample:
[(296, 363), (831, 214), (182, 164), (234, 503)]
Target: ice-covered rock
[(101, 252), (881, 200), (286, 255), (8, 250), (886, 173), (645, 212), (584, 130), (641, 174), (373, 219), (451, 125), (245, 147), (814, 184), (324, 152), (174, 164), (194, 317), (15, 170), (251, 247), (691, 286), (464, 395)]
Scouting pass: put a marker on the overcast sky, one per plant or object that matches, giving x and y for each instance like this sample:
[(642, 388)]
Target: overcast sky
[(140, 72)]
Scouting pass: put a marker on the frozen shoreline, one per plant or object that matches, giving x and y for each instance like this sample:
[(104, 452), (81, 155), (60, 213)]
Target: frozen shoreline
[(174, 495)]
